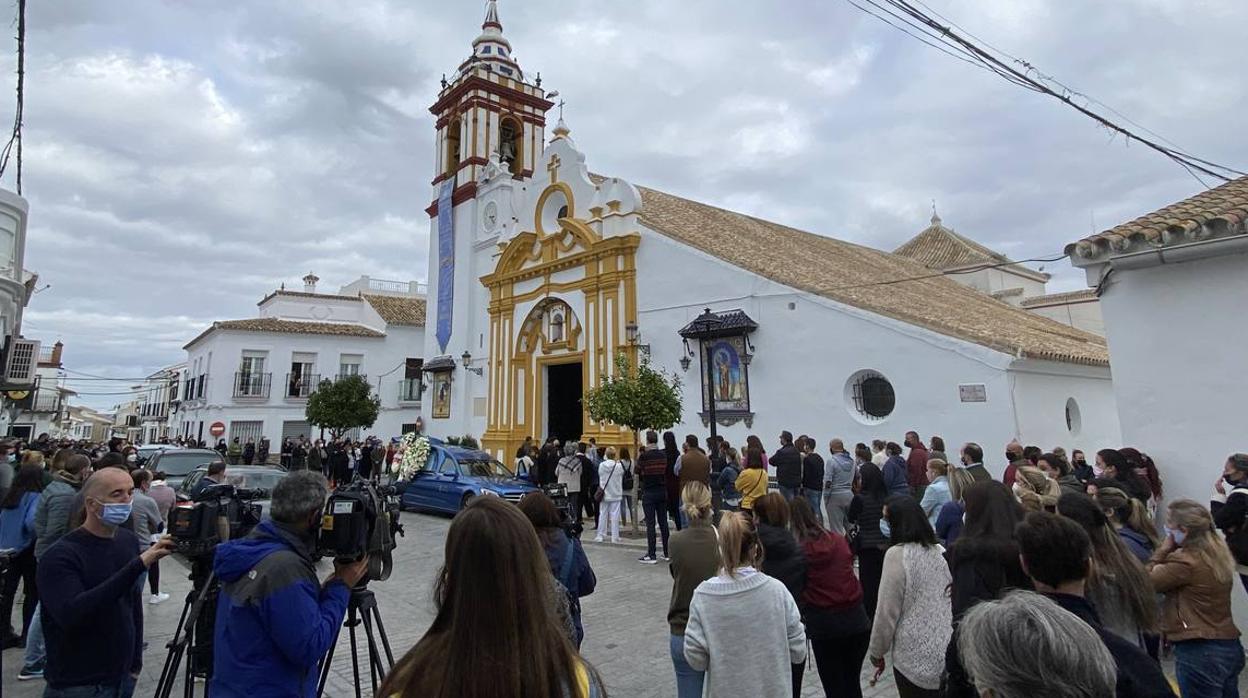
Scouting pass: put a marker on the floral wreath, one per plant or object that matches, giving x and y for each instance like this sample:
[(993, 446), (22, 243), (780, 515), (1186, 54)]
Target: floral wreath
[(413, 454)]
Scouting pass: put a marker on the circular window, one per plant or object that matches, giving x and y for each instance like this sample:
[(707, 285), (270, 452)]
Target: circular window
[(1074, 422), (554, 207), (869, 396)]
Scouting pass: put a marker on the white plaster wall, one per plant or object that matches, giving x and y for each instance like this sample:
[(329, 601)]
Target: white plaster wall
[(380, 356), (1000, 279), (1041, 390), (1176, 341), (1084, 315), (805, 355)]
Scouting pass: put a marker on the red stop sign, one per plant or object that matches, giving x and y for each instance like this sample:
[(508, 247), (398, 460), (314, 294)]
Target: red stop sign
[(217, 428)]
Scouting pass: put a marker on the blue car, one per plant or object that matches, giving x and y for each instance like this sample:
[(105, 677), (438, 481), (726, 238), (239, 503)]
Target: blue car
[(453, 475)]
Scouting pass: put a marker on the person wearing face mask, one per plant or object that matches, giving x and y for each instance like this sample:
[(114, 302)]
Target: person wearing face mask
[(1080, 468), (1195, 571), (274, 619), (90, 597), (1230, 510)]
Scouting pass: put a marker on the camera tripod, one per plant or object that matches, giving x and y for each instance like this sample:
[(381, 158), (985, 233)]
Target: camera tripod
[(361, 609), (191, 634)]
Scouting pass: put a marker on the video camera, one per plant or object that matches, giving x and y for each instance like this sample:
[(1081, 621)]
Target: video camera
[(361, 519), (568, 519), (217, 514)]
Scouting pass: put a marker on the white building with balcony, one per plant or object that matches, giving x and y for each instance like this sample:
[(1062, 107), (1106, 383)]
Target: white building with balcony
[(43, 408), (253, 376), (156, 397)]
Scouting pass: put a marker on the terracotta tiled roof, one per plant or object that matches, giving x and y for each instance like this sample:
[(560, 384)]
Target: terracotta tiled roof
[(851, 274), (938, 247), (1085, 295), (1218, 212), (305, 294), (271, 324), (398, 310)]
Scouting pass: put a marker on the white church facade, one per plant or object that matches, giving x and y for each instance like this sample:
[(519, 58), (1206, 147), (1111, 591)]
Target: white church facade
[(541, 273)]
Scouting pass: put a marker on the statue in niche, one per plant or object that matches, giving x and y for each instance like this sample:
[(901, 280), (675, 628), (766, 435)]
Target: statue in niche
[(556, 327)]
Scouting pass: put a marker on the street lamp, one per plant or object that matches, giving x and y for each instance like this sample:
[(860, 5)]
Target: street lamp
[(467, 359), (632, 333)]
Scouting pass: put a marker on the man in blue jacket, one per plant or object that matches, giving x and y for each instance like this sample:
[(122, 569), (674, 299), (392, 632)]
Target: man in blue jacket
[(274, 620)]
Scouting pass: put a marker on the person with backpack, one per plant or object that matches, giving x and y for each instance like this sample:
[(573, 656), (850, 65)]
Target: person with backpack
[(1230, 509), (564, 553), (628, 507)]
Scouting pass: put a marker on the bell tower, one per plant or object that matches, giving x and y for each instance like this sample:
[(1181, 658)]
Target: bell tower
[(488, 111)]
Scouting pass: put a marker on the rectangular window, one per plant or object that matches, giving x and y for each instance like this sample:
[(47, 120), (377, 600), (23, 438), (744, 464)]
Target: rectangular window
[(302, 379), (349, 365), (487, 49)]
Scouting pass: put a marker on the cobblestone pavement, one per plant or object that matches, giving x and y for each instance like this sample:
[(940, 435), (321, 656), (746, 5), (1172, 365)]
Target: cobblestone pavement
[(626, 634)]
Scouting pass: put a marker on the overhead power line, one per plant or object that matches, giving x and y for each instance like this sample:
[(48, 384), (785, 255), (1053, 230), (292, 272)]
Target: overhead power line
[(961, 44)]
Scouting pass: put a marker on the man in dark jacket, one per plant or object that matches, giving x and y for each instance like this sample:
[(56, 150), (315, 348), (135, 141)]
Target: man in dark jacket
[(693, 465), (589, 482), (214, 476), (973, 461), (812, 474), (274, 619), (788, 464), (652, 469), (1056, 553)]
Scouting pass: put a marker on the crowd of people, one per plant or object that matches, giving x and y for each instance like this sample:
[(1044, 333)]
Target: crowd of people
[(900, 555), (962, 584)]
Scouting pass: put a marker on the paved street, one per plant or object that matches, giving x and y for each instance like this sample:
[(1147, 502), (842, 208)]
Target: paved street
[(625, 619)]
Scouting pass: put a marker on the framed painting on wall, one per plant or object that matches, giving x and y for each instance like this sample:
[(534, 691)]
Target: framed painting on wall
[(441, 395)]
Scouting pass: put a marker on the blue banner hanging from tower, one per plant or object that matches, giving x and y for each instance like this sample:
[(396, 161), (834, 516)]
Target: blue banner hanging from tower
[(446, 263)]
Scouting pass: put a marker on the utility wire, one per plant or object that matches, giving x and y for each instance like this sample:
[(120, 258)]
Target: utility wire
[(936, 275), (15, 140), (909, 15)]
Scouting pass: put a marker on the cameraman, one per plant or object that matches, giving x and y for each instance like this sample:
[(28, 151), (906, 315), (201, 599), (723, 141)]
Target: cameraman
[(274, 621)]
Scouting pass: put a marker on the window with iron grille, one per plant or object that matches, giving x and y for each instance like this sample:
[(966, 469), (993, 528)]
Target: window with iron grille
[(873, 395)]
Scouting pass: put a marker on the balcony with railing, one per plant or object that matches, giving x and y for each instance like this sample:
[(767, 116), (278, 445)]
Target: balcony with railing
[(299, 387), (252, 386), (410, 390), (340, 376)]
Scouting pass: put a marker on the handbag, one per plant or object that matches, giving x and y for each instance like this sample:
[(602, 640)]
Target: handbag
[(602, 492)]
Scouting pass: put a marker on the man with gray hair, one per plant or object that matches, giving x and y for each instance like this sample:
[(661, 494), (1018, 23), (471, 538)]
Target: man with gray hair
[(1026, 646), (274, 620)]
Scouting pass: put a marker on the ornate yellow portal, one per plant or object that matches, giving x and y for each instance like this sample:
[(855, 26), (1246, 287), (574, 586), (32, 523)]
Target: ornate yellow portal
[(555, 298)]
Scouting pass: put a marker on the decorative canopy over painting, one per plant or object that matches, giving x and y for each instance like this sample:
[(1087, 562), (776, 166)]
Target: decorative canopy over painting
[(724, 355)]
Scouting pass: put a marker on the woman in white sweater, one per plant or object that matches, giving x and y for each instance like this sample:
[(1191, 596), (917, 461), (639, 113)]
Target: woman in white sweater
[(913, 618), (744, 628)]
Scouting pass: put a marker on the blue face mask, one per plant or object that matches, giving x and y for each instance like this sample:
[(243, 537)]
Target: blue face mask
[(885, 530), (1178, 535), (115, 514)]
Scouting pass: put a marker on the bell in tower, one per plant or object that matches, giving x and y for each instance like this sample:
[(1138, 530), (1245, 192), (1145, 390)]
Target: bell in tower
[(488, 111)]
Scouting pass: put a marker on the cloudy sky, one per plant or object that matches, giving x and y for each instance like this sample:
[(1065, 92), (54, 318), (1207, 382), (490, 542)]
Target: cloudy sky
[(183, 158)]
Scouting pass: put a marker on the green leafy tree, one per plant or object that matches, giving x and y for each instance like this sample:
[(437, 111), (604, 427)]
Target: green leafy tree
[(343, 405), (637, 397)]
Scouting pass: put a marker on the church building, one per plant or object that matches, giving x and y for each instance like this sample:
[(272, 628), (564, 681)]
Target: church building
[(541, 272)]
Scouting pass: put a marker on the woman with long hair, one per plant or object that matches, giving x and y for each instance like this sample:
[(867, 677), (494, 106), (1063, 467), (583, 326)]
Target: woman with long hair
[(752, 482), (17, 533), (1035, 490), (568, 474), (831, 605), (1114, 466), (670, 480), (753, 443), (937, 494), (1117, 586), (695, 559), (984, 563), (564, 554), (1146, 470), (913, 620), (1128, 516), (1055, 466), (628, 510), (1195, 570), (744, 628), (492, 552), (949, 523), (782, 557), (867, 511)]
